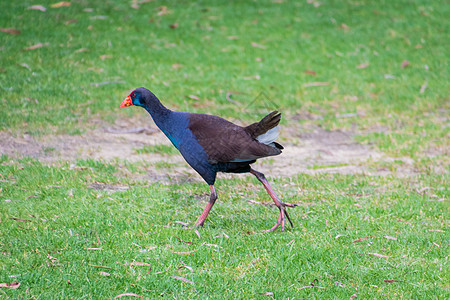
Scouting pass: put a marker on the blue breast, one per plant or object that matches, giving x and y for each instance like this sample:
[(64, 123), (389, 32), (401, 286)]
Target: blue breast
[(176, 129)]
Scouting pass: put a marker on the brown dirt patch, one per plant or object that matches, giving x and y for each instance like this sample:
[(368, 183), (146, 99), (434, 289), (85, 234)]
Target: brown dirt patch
[(307, 150)]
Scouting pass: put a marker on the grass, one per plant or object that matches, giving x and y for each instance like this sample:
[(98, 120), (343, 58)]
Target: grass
[(159, 148), (61, 236), (378, 69), (97, 52)]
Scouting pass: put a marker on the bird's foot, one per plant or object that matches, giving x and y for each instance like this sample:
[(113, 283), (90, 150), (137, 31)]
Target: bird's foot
[(199, 223), (282, 216)]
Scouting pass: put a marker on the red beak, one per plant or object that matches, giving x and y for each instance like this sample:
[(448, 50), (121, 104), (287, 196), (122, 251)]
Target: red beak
[(127, 102)]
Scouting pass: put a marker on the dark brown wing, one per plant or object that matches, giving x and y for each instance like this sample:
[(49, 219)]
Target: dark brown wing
[(268, 122), (224, 141)]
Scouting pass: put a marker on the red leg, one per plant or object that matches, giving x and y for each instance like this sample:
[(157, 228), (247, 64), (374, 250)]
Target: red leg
[(208, 207), (280, 204)]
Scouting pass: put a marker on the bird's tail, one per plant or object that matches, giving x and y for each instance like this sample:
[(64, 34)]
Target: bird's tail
[(266, 130)]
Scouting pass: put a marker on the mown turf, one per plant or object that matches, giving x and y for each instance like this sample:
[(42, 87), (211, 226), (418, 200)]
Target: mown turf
[(378, 69), (71, 231), (267, 53)]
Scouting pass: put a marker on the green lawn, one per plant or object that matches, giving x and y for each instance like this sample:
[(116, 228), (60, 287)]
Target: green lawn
[(84, 230), (64, 227)]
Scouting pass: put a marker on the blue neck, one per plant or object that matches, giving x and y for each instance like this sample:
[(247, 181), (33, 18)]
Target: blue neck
[(160, 114), (172, 124)]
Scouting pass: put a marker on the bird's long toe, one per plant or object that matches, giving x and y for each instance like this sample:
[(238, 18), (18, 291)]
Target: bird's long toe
[(282, 217)]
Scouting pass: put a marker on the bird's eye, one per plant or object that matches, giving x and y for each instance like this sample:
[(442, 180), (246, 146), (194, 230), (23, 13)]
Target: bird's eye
[(133, 95)]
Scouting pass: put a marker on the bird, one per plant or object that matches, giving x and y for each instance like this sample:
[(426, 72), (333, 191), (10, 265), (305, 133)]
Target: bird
[(211, 144)]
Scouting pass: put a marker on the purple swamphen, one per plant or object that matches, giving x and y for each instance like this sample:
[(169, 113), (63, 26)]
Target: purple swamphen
[(210, 144)]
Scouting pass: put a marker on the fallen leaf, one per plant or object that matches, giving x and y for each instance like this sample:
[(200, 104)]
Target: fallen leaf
[(101, 267), (104, 273), (173, 26), (228, 97), (136, 263), (436, 230), (309, 84), (266, 294), (345, 27), (437, 245), (256, 45), (390, 237), (182, 240), (37, 46), (362, 66), (12, 285), (37, 7), (93, 249), (314, 282), (365, 238), (21, 220), (222, 234), (405, 63), (311, 286), (257, 77), (390, 280), (151, 247), (378, 255), (193, 97), (197, 233), (106, 56), (97, 18), (423, 190), (189, 268), (186, 253), (183, 279), (428, 251), (310, 72), (423, 88), (60, 4), (339, 235), (135, 5), (70, 21), (10, 30), (163, 10), (353, 296), (177, 66), (232, 37), (128, 294)]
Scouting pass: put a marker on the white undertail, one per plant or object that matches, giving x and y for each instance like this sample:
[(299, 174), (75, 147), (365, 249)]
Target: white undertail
[(269, 137)]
